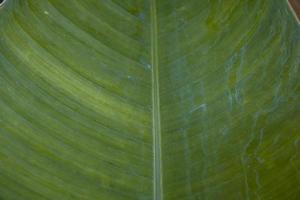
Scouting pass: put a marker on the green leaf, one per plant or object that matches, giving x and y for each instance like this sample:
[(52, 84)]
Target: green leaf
[(149, 99)]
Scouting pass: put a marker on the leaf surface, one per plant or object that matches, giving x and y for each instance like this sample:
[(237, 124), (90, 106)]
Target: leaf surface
[(149, 99)]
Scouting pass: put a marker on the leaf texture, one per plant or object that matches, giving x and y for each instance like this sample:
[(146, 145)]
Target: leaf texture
[(149, 99)]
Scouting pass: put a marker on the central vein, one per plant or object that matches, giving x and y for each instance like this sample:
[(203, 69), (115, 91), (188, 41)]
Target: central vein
[(156, 129)]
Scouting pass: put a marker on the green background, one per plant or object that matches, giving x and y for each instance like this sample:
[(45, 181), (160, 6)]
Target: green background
[(145, 99)]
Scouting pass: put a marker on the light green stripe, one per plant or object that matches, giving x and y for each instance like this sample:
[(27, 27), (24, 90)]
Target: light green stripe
[(157, 163)]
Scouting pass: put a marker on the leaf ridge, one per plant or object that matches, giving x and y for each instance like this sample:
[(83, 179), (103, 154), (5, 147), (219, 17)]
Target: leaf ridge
[(156, 126)]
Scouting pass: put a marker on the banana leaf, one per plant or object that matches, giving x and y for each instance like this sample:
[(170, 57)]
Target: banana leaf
[(149, 99)]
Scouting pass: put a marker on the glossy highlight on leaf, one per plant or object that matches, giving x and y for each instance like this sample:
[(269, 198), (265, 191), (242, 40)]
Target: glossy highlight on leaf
[(149, 100)]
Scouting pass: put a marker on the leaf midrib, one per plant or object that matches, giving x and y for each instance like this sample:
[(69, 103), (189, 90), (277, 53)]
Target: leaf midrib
[(156, 129)]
